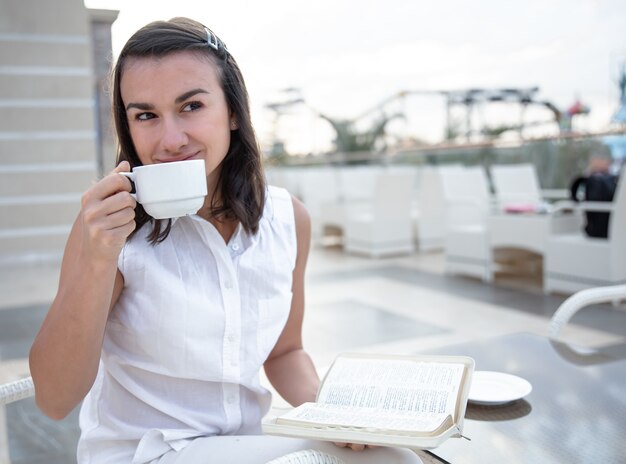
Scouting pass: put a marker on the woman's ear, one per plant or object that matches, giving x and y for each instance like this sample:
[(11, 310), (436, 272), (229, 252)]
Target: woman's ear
[(233, 124)]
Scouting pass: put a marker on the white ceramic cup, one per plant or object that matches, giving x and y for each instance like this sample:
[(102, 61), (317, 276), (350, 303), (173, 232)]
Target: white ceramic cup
[(169, 190)]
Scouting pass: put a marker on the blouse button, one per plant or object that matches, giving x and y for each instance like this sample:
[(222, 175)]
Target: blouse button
[(235, 246), (228, 284)]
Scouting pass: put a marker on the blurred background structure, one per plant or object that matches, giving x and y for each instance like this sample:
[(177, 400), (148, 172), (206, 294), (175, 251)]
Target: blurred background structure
[(407, 95), (55, 136)]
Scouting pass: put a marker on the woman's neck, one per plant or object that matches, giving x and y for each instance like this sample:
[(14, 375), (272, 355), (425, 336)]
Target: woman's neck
[(225, 227)]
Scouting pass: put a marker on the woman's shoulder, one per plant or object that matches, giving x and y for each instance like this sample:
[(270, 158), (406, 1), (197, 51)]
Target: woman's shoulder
[(286, 208), (277, 193), (278, 204)]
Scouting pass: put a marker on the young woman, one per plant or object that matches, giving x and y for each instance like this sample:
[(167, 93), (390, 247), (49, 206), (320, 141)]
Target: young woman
[(162, 326)]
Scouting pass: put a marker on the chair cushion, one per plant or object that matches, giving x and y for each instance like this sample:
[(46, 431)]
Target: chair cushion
[(578, 256), (468, 242)]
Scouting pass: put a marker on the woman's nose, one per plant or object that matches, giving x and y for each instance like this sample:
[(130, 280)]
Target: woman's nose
[(174, 136)]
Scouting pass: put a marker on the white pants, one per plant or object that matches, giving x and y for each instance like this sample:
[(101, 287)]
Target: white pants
[(259, 449)]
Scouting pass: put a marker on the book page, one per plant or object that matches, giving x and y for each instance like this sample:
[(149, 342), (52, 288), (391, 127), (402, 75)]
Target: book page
[(393, 385), (334, 416)]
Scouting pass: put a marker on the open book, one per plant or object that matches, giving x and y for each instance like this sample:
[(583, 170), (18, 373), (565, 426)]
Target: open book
[(408, 401)]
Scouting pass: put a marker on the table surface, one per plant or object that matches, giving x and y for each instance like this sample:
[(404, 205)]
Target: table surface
[(576, 412)]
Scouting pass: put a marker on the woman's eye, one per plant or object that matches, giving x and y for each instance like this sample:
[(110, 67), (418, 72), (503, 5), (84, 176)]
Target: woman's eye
[(144, 116), (192, 106)]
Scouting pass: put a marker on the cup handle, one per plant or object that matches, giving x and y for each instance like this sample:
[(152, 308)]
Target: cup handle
[(131, 176)]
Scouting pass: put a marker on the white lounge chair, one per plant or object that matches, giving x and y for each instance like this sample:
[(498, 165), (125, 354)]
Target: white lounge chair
[(468, 203), (515, 183), (354, 190), (522, 224), (318, 186), (387, 227), (574, 261), (432, 215)]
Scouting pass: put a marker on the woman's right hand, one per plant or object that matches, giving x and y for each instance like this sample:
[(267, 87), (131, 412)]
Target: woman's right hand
[(108, 215)]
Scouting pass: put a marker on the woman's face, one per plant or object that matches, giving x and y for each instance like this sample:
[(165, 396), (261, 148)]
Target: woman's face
[(177, 110)]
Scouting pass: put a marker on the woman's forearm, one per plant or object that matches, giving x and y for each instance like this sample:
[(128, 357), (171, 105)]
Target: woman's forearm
[(65, 355), (294, 377)]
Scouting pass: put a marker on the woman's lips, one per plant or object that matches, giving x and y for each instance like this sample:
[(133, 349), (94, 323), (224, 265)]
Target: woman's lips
[(178, 158)]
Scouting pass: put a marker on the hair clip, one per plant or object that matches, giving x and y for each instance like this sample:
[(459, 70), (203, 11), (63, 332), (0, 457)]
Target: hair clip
[(211, 39)]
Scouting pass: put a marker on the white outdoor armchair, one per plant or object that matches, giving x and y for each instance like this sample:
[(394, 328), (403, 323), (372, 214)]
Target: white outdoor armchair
[(17, 390), (431, 204), (309, 456), (468, 203), (516, 183), (386, 227), (574, 261), (24, 388), (579, 300)]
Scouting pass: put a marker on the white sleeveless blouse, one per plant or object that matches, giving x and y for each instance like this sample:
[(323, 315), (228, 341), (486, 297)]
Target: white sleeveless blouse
[(184, 345)]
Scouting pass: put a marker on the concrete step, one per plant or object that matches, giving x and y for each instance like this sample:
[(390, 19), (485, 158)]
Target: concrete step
[(41, 119), (33, 87), (74, 52), (48, 150), (31, 180), (33, 244), (59, 210)]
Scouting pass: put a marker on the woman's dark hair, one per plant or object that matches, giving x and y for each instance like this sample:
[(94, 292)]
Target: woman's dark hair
[(240, 190)]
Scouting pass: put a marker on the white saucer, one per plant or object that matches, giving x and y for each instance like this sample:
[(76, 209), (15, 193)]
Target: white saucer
[(491, 388)]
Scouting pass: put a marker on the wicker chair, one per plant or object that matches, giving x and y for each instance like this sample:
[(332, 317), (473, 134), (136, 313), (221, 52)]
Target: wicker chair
[(14, 391), (612, 293), (307, 457), (24, 388)]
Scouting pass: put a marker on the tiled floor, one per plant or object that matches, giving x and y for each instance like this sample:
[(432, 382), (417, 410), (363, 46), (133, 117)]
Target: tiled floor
[(401, 305)]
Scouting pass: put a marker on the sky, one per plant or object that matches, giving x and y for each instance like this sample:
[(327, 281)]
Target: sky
[(347, 56)]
